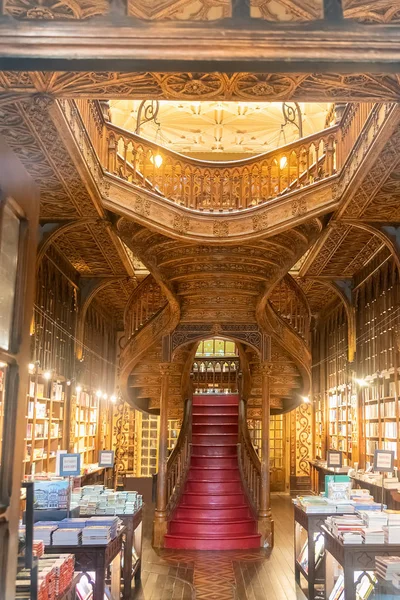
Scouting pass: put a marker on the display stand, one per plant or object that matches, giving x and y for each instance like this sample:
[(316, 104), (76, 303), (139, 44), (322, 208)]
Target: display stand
[(133, 539), (311, 524), (96, 558), (352, 558)]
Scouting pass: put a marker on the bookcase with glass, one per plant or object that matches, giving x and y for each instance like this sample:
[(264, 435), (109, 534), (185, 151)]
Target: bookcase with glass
[(45, 422)]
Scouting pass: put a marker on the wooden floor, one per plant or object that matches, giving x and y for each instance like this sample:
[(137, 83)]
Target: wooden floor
[(233, 575)]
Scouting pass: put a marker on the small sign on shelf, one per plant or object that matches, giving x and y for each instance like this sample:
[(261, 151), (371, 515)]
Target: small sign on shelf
[(384, 461), (334, 459), (106, 458), (70, 465)]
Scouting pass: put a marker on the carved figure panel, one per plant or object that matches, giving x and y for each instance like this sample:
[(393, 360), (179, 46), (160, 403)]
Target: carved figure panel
[(372, 11), (50, 10)]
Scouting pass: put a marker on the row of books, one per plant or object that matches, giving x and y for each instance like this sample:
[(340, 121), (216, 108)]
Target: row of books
[(75, 532), (367, 527)]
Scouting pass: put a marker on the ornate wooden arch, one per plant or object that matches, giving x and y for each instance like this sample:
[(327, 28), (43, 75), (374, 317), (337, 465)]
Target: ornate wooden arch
[(381, 231)]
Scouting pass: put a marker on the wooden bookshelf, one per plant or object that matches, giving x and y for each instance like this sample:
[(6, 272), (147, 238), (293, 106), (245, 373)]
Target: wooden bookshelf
[(340, 420), (45, 424), (319, 420), (380, 411), (86, 408)]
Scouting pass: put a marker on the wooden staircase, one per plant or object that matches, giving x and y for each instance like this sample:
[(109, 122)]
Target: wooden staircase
[(213, 512)]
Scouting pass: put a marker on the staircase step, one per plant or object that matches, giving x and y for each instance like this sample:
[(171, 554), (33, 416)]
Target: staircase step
[(220, 527), (222, 542), (213, 409), (214, 450), (215, 428), (214, 419), (227, 499), (215, 399), (214, 487), (213, 474), (221, 438), (213, 462), (212, 513)]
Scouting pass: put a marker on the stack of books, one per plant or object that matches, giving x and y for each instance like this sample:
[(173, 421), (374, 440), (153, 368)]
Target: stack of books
[(38, 548), (346, 528), (351, 537), (392, 535), (373, 536), (387, 566), (98, 500), (96, 535), (315, 504), (396, 580), (111, 522), (67, 537), (393, 517), (374, 519), (43, 531)]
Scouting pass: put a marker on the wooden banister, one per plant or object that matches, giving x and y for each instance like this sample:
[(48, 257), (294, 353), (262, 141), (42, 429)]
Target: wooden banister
[(146, 300), (249, 462), (179, 461)]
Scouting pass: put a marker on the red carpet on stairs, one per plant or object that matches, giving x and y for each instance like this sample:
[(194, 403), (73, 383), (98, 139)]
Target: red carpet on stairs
[(213, 513)]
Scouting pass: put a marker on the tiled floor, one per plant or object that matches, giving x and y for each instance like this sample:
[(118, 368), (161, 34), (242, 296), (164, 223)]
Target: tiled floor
[(234, 575)]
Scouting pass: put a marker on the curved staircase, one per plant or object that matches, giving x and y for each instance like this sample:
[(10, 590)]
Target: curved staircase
[(213, 512)]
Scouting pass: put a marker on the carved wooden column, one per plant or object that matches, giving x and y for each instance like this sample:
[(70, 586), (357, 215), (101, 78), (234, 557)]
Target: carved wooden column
[(160, 518), (265, 522)]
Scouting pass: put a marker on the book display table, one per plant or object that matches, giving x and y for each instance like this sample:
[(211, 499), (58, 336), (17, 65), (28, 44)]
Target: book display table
[(309, 559), (356, 561), (132, 541), (97, 558)]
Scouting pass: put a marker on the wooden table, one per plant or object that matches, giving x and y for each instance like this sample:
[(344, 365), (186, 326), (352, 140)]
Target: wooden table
[(352, 558), (133, 539), (96, 558), (311, 523)]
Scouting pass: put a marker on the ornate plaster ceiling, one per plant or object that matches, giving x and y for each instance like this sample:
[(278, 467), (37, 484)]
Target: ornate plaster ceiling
[(220, 128)]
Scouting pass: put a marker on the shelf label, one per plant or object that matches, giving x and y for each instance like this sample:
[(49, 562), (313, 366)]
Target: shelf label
[(106, 458), (334, 459), (70, 465), (384, 461)]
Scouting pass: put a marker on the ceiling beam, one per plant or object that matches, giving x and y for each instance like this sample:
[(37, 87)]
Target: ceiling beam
[(111, 44)]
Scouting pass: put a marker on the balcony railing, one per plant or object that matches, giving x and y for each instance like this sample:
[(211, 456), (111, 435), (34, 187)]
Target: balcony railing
[(212, 186), (288, 303)]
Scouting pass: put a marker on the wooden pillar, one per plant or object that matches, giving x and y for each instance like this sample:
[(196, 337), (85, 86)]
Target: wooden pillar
[(160, 518), (265, 522)]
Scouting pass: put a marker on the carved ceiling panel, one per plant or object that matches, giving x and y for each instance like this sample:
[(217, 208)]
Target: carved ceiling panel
[(115, 297), (318, 294), (50, 10), (185, 10), (372, 11), (262, 87), (287, 10), (386, 203)]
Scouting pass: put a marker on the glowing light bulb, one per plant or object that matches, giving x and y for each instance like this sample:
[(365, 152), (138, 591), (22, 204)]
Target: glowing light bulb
[(306, 399), (47, 375), (283, 162), (361, 382), (157, 160), (99, 393), (68, 382), (78, 389), (105, 396), (31, 367), (113, 398)]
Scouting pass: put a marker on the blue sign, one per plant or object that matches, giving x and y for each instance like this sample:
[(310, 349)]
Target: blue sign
[(70, 465)]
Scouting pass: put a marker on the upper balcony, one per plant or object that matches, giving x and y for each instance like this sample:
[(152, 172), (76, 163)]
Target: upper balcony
[(212, 187)]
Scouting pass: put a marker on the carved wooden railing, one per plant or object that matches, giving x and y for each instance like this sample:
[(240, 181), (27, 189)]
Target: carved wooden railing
[(215, 372), (220, 186), (179, 461), (249, 462), (354, 118), (144, 303), (288, 303)]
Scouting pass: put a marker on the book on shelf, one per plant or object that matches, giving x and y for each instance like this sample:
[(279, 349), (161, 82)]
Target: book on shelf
[(337, 592)]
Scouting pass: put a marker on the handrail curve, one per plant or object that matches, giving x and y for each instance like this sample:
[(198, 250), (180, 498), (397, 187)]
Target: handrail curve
[(179, 461)]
